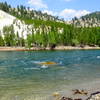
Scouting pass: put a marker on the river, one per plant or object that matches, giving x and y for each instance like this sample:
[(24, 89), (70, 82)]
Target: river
[(22, 77)]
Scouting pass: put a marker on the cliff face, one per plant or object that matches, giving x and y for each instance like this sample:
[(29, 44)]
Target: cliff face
[(6, 20)]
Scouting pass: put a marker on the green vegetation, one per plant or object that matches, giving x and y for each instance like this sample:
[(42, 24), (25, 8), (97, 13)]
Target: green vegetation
[(49, 31), (70, 35)]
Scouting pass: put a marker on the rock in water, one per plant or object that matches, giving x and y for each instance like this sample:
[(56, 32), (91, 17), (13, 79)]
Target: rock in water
[(56, 94), (48, 63)]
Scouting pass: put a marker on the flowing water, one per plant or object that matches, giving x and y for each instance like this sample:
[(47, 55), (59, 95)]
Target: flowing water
[(23, 78)]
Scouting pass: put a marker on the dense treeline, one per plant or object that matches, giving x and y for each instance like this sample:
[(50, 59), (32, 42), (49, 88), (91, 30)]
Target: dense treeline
[(9, 38), (70, 36)]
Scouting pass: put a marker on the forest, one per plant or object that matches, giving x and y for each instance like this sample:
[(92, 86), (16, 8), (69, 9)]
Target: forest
[(53, 33), (71, 36)]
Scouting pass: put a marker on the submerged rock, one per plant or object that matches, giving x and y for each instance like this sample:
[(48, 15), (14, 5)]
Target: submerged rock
[(48, 63), (56, 94), (82, 92)]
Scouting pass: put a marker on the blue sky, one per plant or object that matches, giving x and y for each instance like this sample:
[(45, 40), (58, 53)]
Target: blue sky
[(66, 9)]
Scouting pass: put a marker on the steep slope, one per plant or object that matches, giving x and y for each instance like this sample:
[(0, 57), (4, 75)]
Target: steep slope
[(7, 20), (23, 12), (90, 20)]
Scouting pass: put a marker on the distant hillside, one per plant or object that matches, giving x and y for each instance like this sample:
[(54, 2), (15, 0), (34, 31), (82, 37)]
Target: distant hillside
[(23, 12), (89, 20)]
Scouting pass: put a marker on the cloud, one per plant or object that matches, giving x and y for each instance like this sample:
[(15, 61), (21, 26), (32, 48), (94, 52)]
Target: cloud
[(67, 14), (50, 12), (37, 3), (70, 13)]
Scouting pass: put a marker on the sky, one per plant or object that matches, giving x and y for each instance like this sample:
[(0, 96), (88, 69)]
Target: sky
[(66, 9)]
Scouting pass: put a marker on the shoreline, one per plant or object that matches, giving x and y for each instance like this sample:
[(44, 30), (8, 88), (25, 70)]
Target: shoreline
[(48, 48), (90, 87)]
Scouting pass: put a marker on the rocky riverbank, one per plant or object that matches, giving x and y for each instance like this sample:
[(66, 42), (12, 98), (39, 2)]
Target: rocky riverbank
[(85, 91), (92, 96)]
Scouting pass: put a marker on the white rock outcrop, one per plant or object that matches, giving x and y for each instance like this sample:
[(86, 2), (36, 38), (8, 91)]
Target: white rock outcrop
[(5, 19), (19, 26)]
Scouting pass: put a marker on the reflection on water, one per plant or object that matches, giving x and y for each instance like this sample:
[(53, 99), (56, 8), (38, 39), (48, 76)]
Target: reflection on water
[(22, 78)]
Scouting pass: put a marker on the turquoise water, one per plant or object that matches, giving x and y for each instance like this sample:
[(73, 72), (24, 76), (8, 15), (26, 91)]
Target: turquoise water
[(22, 78)]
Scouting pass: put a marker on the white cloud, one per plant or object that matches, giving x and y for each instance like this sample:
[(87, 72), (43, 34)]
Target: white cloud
[(38, 3), (50, 12), (70, 13), (67, 14)]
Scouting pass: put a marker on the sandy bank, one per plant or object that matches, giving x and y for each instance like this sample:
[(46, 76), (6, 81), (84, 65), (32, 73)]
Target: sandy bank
[(75, 48), (56, 48)]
